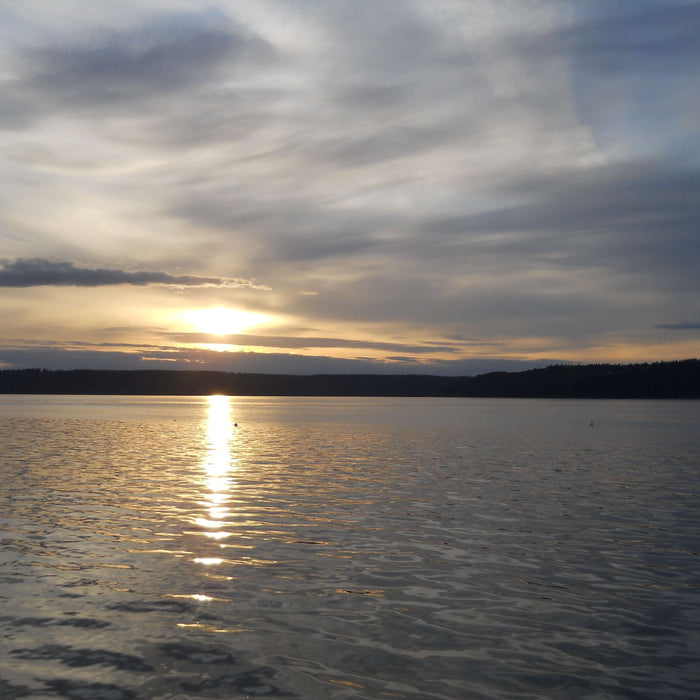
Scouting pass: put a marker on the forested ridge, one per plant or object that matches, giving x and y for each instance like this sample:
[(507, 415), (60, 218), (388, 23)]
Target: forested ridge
[(656, 380)]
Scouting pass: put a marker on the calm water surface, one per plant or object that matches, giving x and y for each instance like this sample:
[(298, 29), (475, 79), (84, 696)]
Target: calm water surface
[(348, 548)]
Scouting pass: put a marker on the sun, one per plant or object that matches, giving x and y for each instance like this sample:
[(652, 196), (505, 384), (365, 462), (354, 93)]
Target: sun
[(222, 320)]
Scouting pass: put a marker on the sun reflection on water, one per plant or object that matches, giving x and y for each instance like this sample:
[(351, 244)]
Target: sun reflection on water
[(218, 467), (219, 433)]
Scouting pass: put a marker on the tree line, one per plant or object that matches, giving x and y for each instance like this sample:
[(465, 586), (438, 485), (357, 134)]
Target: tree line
[(656, 380)]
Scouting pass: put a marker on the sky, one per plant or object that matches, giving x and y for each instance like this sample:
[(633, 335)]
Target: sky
[(387, 186)]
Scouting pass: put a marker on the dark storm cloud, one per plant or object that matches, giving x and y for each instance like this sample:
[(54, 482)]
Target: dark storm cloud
[(38, 272)]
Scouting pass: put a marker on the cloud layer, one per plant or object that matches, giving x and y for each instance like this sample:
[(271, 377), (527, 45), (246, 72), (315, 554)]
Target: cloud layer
[(37, 272), (524, 176)]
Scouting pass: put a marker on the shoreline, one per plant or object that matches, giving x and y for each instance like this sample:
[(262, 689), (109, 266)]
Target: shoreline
[(659, 380)]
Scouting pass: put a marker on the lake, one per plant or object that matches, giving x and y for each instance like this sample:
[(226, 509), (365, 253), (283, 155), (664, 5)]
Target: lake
[(225, 547)]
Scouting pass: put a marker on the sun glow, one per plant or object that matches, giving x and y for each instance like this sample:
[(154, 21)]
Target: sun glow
[(222, 320)]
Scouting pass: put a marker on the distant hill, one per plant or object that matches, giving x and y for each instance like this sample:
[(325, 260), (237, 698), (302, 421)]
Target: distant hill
[(198, 383), (657, 380)]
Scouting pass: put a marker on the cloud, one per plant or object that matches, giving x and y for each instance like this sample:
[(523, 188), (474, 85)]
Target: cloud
[(264, 341), (38, 272), (630, 37), (636, 218), (630, 68), (467, 183), (685, 326), (659, 37), (446, 170), (53, 357), (118, 71)]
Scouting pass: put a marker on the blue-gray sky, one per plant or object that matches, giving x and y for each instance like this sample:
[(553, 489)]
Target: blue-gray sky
[(449, 186)]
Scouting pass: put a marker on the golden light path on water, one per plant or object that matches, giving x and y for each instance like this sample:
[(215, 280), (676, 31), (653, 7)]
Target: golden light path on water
[(218, 467), (216, 488)]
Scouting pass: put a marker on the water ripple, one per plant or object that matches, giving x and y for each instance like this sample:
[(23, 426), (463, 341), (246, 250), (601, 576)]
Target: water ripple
[(349, 549)]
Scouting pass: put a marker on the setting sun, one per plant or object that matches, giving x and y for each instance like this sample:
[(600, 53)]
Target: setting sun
[(222, 320)]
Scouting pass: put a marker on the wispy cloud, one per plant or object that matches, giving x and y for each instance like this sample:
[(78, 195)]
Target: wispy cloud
[(38, 272), (470, 178), (299, 342), (73, 356), (684, 326), (118, 71)]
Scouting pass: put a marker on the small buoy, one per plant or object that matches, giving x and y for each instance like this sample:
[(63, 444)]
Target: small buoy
[(235, 425)]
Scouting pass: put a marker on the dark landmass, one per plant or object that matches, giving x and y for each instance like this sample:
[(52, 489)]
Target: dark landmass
[(658, 380)]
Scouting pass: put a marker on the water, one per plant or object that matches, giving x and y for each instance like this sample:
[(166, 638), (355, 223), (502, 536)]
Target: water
[(348, 548)]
